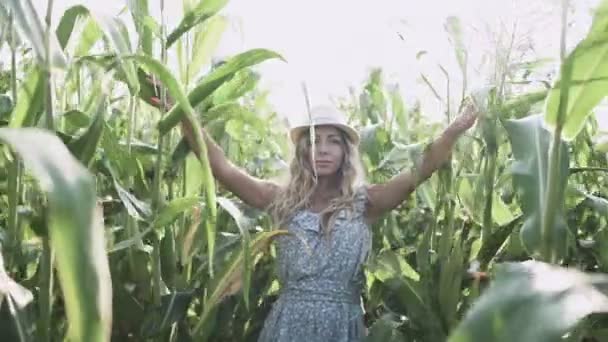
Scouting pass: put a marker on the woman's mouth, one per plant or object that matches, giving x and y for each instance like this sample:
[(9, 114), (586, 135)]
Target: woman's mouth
[(323, 162)]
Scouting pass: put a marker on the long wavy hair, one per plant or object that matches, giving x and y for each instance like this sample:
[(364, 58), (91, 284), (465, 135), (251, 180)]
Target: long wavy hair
[(296, 192)]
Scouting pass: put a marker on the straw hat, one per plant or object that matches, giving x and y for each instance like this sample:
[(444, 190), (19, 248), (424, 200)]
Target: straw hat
[(325, 115)]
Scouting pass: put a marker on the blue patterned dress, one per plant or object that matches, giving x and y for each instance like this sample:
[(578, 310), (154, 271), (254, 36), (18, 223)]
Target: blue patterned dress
[(321, 279)]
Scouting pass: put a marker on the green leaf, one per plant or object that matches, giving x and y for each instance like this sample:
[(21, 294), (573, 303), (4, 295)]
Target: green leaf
[(67, 22), (171, 211), (521, 105), (75, 228), (177, 92), (121, 160), (89, 36), (205, 43), (229, 280), (30, 99), (589, 79), (384, 330), (243, 82), (140, 12), (202, 12), (194, 176), (116, 32), (85, 146), (501, 213), (76, 118), (450, 284), (31, 27), (554, 299), (214, 80), (389, 264), (244, 224), (136, 208), (530, 144)]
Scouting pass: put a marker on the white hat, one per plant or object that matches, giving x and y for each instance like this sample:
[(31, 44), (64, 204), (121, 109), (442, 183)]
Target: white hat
[(325, 115)]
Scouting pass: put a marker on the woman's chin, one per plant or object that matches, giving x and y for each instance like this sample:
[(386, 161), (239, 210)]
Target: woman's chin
[(326, 173)]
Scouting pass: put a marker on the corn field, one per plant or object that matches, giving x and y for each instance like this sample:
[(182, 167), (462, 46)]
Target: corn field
[(112, 229)]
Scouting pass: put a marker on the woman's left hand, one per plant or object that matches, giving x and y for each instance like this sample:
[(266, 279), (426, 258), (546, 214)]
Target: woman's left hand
[(465, 120)]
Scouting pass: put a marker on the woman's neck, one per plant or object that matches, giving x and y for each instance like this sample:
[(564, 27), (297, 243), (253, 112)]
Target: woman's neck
[(326, 189)]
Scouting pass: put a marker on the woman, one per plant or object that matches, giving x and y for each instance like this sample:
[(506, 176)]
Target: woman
[(329, 211)]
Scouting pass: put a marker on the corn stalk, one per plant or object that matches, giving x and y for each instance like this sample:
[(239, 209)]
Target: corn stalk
[(548, 251)]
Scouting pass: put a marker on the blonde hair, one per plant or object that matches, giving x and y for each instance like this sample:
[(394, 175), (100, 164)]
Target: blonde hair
[(296, 194)]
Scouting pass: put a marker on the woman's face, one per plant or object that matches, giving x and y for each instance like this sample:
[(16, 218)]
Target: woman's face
[(329, 150)]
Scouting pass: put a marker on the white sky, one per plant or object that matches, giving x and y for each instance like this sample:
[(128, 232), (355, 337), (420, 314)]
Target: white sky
[(331, 44)]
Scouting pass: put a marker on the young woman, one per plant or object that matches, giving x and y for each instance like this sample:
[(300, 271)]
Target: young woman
[(329, 209)]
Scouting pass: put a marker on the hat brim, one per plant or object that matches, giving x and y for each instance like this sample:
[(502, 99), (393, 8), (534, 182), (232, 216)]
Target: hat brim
[(352, 134)]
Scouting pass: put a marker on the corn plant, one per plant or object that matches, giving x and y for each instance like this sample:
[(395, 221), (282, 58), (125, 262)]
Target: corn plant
[(112, 229)]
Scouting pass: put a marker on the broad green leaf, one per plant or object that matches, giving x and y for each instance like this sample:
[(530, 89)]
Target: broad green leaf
[(116, 32), (140, 12), (91, 33), (521, 105), (194, 176), (232, 111), (202, 12), (205, 42), (173, 209), (136, 208), (384, 330), (85, 146), (30, 97), (229, 281), (29, 24), (241, 220), (214, 80), (450, 283), (243, 82), (244, 225), (76, 118), (67, 22), (532, 302), (121, 160), (401, 155), (177, 92), (588, 83), (501, 213), (389, 264), (75, 228), (133, 241), (410, 298), (530, 144)]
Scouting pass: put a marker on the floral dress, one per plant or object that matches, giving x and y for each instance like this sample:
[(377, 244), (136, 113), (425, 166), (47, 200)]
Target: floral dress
[(321, 279)]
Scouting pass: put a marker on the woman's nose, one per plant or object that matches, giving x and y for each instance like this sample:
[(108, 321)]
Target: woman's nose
[(322, 147)]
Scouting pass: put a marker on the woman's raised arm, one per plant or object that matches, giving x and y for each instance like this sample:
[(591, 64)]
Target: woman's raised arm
[(255, 192), (387, 196)]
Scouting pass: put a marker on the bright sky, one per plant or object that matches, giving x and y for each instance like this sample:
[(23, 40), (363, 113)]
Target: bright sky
[(331, 44)]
